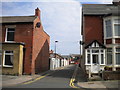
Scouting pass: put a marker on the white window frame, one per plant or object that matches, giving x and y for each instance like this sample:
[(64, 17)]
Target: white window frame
[(102, 53), (112, 18), (86, 51), (7, 34), (115, 55), (114, 25), (1, 57), (4, 58), (110, 53), (98, 53), (106, 19)]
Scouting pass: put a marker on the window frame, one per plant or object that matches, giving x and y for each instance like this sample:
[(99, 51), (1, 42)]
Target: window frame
[(12, 54), (107, 55), (112, 18), (101, 52), (116, 52), (106, 26), (114, 23), (7, 34), (89, 58), (1, 57)]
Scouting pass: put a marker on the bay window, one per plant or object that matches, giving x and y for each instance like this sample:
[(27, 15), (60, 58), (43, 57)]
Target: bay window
[(112, 27), (95, 56)]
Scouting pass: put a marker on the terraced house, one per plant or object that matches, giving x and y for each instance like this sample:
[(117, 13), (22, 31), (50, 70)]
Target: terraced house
[(25, 45), (101, 36)]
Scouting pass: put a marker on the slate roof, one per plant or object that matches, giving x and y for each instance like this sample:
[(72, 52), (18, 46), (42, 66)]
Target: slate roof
[(17, 19), (101, 9)]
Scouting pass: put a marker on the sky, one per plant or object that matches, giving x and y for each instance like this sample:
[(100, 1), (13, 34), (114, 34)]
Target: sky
[(61, 19)]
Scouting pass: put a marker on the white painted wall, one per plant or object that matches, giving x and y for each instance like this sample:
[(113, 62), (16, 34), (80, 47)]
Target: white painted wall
[(55, 63)]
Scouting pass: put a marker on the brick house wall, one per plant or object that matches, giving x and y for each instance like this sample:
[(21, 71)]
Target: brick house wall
[(36, 49), (93, 29), (100, 22), (40, 49), (23, 33)]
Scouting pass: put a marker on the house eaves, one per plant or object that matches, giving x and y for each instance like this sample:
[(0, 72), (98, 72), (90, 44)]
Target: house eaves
[(17, 19)]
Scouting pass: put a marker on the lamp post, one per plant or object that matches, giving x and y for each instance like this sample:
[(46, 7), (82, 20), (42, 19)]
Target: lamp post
[(55, 48), (81, 43)]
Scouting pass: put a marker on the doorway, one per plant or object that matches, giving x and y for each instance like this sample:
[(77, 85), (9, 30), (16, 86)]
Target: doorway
[(95, 59), (95, 67)]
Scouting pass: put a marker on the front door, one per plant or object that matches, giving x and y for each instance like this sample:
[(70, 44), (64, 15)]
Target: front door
[(95, 67)]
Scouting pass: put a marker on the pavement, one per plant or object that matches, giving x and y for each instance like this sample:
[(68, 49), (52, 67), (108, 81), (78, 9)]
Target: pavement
[(81, 80), (9, 80), (59, 78)]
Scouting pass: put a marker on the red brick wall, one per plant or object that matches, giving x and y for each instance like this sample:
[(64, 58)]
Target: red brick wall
[(117, 40), (93, 29), (36, 41), (108, 41), (40, 49), (23, 33), (3, 33)]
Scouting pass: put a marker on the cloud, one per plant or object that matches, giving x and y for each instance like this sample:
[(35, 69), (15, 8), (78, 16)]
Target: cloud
[(82, 1), (95, 1), (61, 20)]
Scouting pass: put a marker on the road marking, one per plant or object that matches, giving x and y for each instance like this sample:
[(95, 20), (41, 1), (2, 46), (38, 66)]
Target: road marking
[(73, 79), (36, 79), (43, 76)]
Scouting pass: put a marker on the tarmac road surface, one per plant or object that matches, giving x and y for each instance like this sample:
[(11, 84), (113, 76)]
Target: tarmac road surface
[(58, 79)]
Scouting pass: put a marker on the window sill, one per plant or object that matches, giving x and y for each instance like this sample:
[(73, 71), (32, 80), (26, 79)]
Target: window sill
[(9, 41), (102, 64), (117, 65), (87, 64), (112, 37), (108, 37), (99, 64), (8, 66)]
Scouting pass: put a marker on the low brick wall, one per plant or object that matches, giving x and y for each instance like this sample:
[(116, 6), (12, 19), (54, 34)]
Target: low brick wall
[(111, 75)]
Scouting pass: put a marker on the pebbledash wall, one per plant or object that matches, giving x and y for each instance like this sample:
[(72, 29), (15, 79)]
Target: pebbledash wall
[(36, 48)]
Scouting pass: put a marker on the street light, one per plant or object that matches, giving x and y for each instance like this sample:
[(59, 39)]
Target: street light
[(55, 48), (81, 43)]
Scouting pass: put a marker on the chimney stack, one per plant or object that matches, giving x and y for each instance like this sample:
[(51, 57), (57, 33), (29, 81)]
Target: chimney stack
[(116, 2), (37, 12)]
